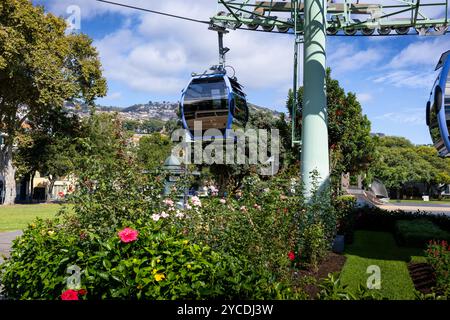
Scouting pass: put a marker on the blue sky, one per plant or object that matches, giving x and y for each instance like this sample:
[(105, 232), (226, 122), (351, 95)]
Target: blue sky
[(148, 57)]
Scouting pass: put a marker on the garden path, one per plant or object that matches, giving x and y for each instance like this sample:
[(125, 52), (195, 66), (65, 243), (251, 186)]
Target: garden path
[(6, 239)]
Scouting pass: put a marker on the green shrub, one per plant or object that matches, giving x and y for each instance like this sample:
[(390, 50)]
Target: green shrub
[(331, 288), (313, 244), (438, 256), (418, 232), (160, 264), (345, 206)]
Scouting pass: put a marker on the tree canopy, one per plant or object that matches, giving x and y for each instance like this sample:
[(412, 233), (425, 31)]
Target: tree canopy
[(41, 67)]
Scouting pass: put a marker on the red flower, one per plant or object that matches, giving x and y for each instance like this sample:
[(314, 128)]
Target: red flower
[(128, 235), (291, 255), (69, 295), (82, 292)]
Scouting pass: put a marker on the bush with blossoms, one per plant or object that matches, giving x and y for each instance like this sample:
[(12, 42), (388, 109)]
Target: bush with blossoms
[(438, 256), (128, 241)]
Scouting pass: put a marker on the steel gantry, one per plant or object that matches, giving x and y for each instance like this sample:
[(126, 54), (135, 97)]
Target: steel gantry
[(311, 21)]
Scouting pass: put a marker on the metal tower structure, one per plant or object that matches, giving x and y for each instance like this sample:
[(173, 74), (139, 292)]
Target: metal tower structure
[(311, 21)]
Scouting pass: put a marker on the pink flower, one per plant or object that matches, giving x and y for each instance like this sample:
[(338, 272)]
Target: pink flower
[(128, 235), (179, 214), (291, 255), (164, 215), (155, 217), (223, 201), (196, 201), (257, 206), (168, 202), (69, 295)]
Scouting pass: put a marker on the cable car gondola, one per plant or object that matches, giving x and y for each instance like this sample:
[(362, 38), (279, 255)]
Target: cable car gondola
[(216, 101), (438, 108)]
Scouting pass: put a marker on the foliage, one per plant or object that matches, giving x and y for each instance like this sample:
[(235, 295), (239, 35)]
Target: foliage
[(349, 139), (418, 232), (438, 256), (374, 218), (41, 67), (333, 289), (160, 264), (345, 208), (261, 224), (146, 126), (400, 162), (313, 244), (153, 150)]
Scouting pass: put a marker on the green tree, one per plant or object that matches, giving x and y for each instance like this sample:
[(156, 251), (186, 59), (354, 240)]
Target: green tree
[(399, 162), (153, 150), (48, 147), (41, 67), (351, 145)]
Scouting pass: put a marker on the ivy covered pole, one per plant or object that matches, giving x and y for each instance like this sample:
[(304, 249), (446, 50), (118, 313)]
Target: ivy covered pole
[(314, 152)]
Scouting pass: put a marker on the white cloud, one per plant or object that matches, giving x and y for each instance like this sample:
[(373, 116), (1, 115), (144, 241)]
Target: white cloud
[(410, 116), (424, 53), (347, 58), (406, 78)]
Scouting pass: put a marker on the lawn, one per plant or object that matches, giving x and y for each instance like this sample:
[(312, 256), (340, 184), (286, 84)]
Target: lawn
[(17, 217), (380, 249)]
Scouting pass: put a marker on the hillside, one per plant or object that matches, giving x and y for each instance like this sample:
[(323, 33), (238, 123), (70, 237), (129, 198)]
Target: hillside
[(163, 111)]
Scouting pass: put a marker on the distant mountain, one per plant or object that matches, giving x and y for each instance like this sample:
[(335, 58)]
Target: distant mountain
[(164, 110)]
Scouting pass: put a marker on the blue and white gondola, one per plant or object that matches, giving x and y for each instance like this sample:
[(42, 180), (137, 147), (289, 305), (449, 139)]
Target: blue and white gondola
[(215, 101), (438, 108)]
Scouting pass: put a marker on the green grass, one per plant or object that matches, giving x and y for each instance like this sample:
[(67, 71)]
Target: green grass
[(417, 233), (420, 201), (380, 249), (17, 217)]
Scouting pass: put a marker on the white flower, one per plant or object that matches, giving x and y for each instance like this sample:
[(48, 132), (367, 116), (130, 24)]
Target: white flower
[(196, 201), (179, 214), (223, 201), (168, 202), (188, 207), (164, 215), (243, 209), (156, 217)]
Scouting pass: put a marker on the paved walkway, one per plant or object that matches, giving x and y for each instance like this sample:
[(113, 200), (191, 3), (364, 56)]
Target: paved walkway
[(6, 239)]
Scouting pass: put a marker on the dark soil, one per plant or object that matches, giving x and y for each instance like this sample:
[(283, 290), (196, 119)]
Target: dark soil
[(332, 263), (422, 276)]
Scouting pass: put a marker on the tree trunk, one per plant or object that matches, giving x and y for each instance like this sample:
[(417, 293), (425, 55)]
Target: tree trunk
[(9, 172), (32, 186), (50, 188)]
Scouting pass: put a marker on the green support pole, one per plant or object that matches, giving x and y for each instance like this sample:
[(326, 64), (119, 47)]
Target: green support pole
[(315, 118)]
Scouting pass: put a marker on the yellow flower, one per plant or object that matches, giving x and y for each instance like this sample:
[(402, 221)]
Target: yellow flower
[(33, 225), (51, 232), (158, 261), (159, 276), (154, 271), (189, 266), (185, 241)]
